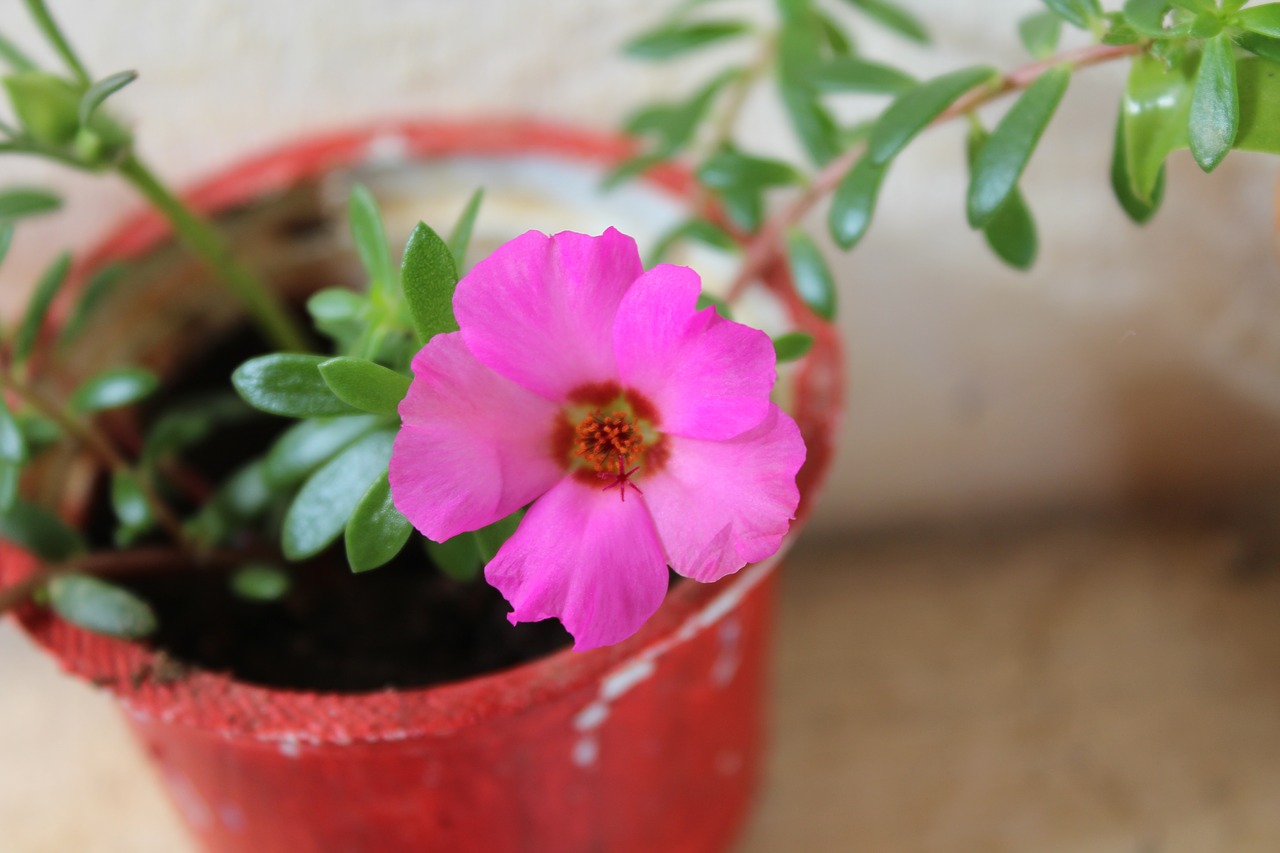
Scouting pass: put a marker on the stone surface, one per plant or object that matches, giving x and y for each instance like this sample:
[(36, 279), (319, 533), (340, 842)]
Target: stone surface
[(1076, 687)]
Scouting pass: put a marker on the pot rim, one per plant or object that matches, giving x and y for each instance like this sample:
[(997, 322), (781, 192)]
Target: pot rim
[(241, 711)]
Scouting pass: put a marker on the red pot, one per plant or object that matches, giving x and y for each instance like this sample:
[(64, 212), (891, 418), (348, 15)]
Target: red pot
[(651, 745)]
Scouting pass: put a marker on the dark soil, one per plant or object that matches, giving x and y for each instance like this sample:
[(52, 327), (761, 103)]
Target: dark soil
[(403, 625)]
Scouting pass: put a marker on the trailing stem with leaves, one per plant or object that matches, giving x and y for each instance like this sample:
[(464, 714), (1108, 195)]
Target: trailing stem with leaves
[(1203, 76)]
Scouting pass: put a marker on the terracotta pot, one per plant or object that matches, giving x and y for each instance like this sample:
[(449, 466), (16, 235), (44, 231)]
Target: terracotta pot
[(651, 745)]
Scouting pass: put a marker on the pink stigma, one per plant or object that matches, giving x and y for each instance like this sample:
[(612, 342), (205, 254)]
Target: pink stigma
[(622, 479)]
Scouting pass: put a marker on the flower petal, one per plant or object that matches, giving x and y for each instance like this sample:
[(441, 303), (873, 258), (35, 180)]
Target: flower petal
[(719, 505), (540, 309), (586, 557), (474, 447), (708, 377)]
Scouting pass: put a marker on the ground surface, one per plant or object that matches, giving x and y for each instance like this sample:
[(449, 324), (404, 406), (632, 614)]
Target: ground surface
[(1079, 687)]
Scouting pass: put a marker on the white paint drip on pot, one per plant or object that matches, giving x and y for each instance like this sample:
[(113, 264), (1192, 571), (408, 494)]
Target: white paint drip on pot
[(188, 799), (726, 665)]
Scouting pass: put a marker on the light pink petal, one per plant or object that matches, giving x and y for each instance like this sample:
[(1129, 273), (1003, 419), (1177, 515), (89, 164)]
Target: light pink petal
[(474, 447), (707, 377), (540, 309), (586, 557), (719, 505)]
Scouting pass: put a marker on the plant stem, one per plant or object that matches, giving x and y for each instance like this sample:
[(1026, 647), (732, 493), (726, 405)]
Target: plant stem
[(106, 452), (765, 245), (198, 234), (49, 27)]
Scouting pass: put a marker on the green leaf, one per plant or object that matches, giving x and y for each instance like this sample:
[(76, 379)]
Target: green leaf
[(1261, 45), (13, 445), (744, 206), (850, 74), (915, 110), (1138, 209), (27, 201), (86, 306), (47, 106), (1147, 17), (13, 57), (1259, 87), (129, 501), (366, 385), (1264, 19), (1003, 158), (10, 476), (120, 386), (894, 17), (191, 422), (632, 167), (307, 445), (35, 529), (813, 281), (38, 432), (1215, 105), (99, 606), (260, 582), (1156, 107), (377, 531), (676, 39), (700, 230), (1078, 13), (792, 346), (673, 124), (731, 168), (812, 123), (854, 202), (710, 300), (6, 239), (460, 237), (288, 384), (457, 558), (1040, 32), (246, 493), (1011, 233), (340, 314), (833, 35), (429, 278), (100, 91), (46, 289), (323, 506), (371, 240), (489, 539)]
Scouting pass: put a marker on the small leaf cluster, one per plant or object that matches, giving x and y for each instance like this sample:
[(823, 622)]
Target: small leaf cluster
[(325, 477)]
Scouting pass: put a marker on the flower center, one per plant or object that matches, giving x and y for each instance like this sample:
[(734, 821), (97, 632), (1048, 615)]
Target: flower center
[(608, 441)]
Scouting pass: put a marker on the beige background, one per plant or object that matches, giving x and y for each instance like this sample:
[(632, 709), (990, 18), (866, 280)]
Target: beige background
[(1130, 362)]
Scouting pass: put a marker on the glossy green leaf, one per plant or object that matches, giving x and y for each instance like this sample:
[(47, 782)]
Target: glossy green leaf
[(460, 236), (100, 91), (47, 287), (98, 288), (489, 539), (191, 421), (1263, 46), (812, 123), (851, 74), (672, 124), (731, 168), (1000, 163), (429, 278), (1264, 19), (812, 277), (98, 606), (38, 432), (1138, 209), (744, 206), (340, 314), (676, 39), (1040, 32), (1119, 31), (12, 56), (365, 385), (854, 202), (246, 493), (323, 506), (710, 300), (1215, 105), (20, 202), (13, 444), (47, 106), (371, 240), (1156, 105), (129, 501), (915, 110), (260, 582), (894, 16), (307, 445), (792, 346), (33, 528), (377, 531), (457, 558), (699, 230), (1078, 13), (1259, 88), (288, 384), (120, 386), (1011, 233), (833, 34)]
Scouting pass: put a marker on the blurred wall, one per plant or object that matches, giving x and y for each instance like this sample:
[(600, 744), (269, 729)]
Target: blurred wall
[(1131, 363)]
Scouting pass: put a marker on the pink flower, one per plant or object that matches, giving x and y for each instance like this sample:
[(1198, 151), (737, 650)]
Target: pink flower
[(639, 427)]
